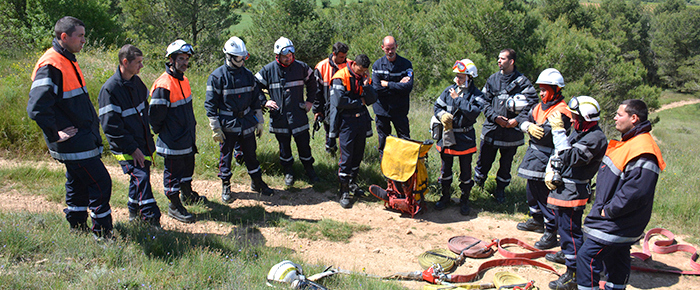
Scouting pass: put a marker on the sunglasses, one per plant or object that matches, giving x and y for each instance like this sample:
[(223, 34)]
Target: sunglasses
[(287, 50)]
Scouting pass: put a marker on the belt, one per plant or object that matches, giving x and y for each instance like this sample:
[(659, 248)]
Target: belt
[(357, 115), (462, 130)]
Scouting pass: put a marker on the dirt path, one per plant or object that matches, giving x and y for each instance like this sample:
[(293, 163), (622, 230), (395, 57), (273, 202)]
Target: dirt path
[(391, 246), (677, 104)]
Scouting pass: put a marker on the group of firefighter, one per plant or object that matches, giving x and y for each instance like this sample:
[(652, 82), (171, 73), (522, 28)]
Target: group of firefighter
[(566, 146)]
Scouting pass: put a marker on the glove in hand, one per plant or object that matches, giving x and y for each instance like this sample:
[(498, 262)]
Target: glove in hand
[(535, 131), (218, 135), (446, 121), (548, 180), (555, 121), (259, 130)]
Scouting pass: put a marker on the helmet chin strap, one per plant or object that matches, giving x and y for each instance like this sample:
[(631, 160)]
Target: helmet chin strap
[(234, 60)]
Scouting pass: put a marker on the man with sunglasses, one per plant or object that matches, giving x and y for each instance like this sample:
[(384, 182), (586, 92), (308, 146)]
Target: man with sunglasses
[(285, 78), (499, 132), (60, 105), (392, 78), (172, 118), (235, 116), (575, 161)]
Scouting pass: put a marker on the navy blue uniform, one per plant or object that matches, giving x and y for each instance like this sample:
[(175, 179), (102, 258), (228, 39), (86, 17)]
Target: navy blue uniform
[(392, 101), (124, 118)]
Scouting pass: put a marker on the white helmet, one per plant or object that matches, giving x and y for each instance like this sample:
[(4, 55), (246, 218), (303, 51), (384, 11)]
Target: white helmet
[(465, 66), (179, 46), (585, 107), (551, 76), (235, 46), (285, 271), (283, 46), (516, 103)]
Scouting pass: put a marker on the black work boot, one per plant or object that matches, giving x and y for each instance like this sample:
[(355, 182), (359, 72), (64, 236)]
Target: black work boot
[(190, 196), (134, 215), (178, 211), (547, 241), (532, 225), (355, 189), (500, 195), (258, 185), (466, 189), (446, 195), (226, 193), (345, 197), (556, 258), (288, 176), (566, 281), (479, 181), (311, 173)]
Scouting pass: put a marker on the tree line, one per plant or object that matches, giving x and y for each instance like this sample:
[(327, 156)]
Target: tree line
[(612, 50)]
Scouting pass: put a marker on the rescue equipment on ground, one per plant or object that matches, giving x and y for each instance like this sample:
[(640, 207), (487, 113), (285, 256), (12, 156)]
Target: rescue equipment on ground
[(403, 164), (288, 272), (469, 247)]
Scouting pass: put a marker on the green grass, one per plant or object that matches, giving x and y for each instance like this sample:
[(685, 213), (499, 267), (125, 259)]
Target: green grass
[(324, 229), (668, 97)]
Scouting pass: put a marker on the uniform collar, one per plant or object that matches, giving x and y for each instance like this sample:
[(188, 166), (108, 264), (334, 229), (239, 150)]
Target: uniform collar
[(60, 49), (640, 128), (174, 73)]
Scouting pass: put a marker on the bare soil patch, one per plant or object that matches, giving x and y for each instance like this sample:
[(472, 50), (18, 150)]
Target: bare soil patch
[(392, 245)]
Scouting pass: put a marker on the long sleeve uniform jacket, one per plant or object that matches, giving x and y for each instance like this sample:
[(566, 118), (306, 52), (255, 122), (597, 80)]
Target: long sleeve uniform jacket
[(464, 109), (347, 89), (233, 99), (392, 100)]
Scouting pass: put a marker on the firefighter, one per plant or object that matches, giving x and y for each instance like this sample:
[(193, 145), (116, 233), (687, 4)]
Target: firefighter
[(172, 118), (575, 161), (393, 81), (624, 200), (59, 103), (235, 116), (285, 78), (537, 156), (124, 117), (499, 132), (351, 93), (324, 71), (457, 109)]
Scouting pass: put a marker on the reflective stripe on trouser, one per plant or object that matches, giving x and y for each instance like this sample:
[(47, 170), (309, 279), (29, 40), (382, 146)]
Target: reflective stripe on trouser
[(465, 167), (88, 186), (594, 258), (177, 171), (285, 147), (140, 193), (537, 193), (384, 128), (487, 155), (352, 138), (570, 234), (233, 143)]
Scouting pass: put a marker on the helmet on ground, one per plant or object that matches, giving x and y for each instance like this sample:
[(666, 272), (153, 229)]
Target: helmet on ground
[(285, 271), (179, 46), (465, 66), (283, 46), (585, 107), (235, 46), (516, 103), (550, 76)]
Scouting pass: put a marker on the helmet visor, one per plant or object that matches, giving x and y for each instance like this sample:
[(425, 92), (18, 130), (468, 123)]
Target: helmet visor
[(186, 48), (287, 50), (573, 105), (459, 67)]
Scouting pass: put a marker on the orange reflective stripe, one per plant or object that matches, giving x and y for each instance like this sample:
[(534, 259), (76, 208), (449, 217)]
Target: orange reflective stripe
[(567, 203), (344, 75), (179, 90), (541, 116), (456, 152), (622, 152), (71, 81)]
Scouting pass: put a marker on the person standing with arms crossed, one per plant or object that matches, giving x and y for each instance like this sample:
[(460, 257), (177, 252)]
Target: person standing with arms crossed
[(59, 103), (392, 78)]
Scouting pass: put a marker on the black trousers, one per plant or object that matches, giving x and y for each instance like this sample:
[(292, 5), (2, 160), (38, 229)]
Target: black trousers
[(141, 198), (233, 143), (177, 170), (352, 138), (88, 185), (487, 155), (285, 145), (384, 128)]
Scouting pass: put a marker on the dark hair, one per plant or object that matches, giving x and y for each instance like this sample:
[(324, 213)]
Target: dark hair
[(340, 47), (511, 53), (67, 24), (636, 107), (129, 52), (362, 60)]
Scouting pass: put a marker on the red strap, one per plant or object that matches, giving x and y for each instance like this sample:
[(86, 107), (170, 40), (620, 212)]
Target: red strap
[(666, 247), (498, 263), (533, 254)]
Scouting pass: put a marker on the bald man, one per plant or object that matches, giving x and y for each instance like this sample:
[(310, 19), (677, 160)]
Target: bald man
[(392, 78)]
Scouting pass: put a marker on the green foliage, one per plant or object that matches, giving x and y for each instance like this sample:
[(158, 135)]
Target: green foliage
[(676, 41), (329, 229)]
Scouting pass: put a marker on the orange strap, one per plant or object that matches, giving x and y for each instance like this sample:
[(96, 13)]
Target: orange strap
[(666, 247)]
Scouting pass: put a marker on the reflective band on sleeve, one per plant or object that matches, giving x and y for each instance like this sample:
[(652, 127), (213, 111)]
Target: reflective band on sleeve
[(182, 102), (74, 93), (45, 82), (110, 108), (260, 78), (157, 102), (239, 90)]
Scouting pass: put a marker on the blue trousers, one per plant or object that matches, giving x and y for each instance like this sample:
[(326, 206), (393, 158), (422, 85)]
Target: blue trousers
[(352, 138), (177, 170), (537, 193), (384, 128), (594, 258), (236, 142), (141, 198), (285, 145), (570, 235), (487, 155), (465, 167), (88, 185)]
